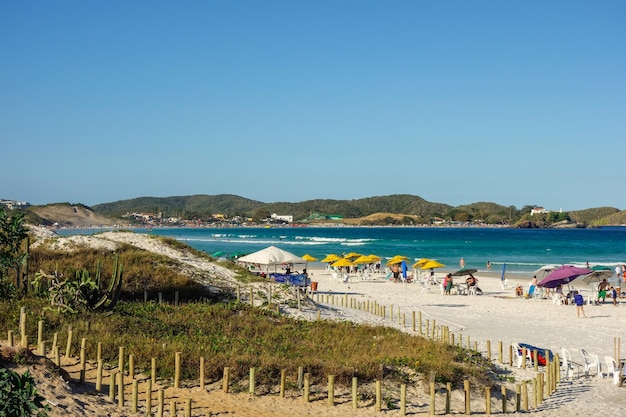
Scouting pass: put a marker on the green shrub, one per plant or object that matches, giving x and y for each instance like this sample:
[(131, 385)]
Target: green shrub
[(18, 396)]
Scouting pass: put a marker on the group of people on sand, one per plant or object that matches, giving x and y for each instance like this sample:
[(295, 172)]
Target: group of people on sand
[(604, 288), (470, 281)]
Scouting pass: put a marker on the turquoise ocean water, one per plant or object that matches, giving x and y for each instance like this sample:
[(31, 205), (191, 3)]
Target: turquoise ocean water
[(523, 250)]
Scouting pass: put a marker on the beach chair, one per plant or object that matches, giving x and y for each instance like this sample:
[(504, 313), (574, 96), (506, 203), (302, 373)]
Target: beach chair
[(531, 291), (591, 362), (558, 298), (519, 357), (424, 285), (611, 369), (567, 365)]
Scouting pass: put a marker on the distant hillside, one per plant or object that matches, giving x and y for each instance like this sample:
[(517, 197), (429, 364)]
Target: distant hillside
[(201, 206), (67, 215), (189, 207), (490, 213), (380, 210), (397, 204), (595, 216)]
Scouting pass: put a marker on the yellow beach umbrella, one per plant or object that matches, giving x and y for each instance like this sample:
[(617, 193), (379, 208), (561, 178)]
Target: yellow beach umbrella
[(331, 258), (421, 262), (363, 260), (374, 258), (308, 258), (397, 259), (342, 262), (352, 255), (432, 265)]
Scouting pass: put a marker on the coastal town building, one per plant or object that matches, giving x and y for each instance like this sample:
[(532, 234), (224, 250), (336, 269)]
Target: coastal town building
[(288, 219), (538, 210), (14, 204)]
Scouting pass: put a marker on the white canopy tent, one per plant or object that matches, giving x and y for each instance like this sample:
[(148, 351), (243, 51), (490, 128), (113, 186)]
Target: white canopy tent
[(271, 256)]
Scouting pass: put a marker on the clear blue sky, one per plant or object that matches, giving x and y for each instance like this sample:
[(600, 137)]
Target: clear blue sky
[(454, 101)]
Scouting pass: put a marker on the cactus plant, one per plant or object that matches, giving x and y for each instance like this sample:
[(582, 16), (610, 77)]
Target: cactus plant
[(109, 298), (82, 292)]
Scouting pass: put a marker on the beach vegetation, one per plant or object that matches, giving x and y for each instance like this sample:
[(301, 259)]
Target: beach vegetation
[(13, 254), (240, 336), (82, 292), (209, 322), (19, 396)]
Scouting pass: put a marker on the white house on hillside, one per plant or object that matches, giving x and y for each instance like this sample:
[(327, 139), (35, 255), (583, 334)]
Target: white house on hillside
[(538, 210), (288, 219)]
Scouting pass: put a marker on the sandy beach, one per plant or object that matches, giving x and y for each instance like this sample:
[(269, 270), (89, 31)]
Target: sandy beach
[(496, 315), (499, 316)]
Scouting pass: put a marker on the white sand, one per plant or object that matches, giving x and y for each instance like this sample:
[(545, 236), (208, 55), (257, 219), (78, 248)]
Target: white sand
[(498, 315)]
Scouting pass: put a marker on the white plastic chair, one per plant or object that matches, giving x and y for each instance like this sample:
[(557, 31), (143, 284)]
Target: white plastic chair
[(611, 369), (519, 357), (591, 362), (567, 365)]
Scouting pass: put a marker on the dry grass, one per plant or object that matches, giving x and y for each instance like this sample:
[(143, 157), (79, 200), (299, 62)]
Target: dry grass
[(241, 337)]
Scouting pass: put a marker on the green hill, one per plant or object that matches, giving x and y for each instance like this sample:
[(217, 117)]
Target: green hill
[(372, 210)]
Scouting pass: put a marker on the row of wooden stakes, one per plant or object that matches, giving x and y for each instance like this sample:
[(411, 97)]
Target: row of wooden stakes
[(544, 384)]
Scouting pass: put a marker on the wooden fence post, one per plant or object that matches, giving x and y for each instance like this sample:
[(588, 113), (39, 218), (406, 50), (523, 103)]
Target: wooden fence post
[(202, 372), (177, 356), (283, 378), (403, 399), (120, 394), (112, 385), (432, 398), (135, 396), (226, 380), (252, 380), (99, 375), (83, 359), (131, 366), (307, 387), (68, 347)]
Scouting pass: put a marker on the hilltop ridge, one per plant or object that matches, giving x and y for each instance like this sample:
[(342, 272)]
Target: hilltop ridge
[(398, 209)]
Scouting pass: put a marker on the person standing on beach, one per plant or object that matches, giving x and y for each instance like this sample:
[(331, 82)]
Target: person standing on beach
[(614, 295), (488, 265), (580, 302), (462, 263), (448, 282), (604, 285), (618, 279)]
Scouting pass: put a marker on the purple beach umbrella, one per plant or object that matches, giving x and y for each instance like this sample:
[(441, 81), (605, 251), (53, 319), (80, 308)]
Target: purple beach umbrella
[(563, 275)]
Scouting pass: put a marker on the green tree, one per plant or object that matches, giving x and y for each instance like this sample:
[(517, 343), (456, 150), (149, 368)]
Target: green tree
[(12, 234)]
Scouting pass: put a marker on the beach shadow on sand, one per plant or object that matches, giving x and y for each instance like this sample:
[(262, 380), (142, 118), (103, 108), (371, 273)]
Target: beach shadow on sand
[(447, 305), (567, 392)]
